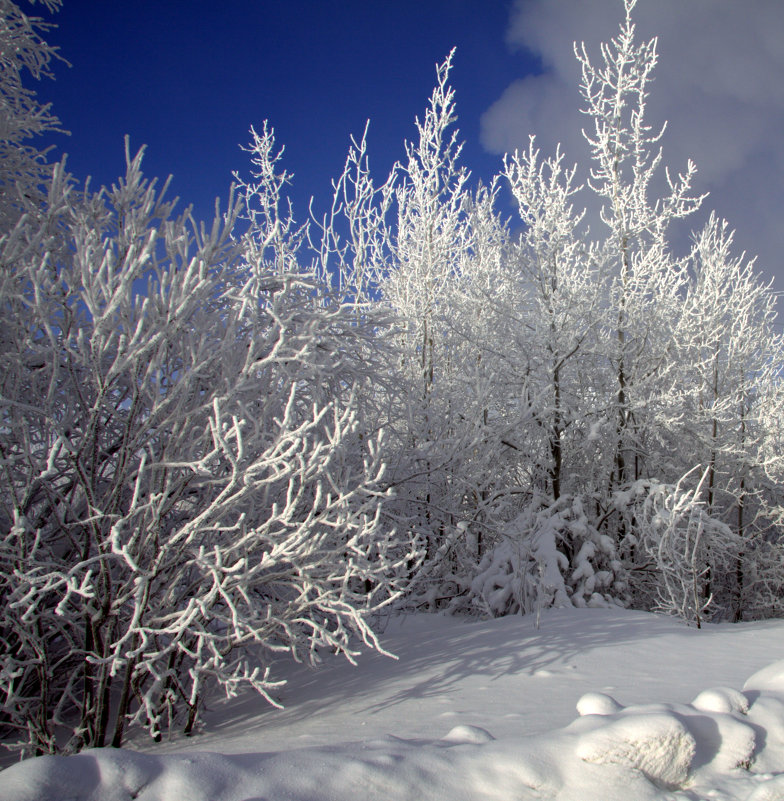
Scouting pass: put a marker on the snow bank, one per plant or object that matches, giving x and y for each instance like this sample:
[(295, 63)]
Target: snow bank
[(725, 744)]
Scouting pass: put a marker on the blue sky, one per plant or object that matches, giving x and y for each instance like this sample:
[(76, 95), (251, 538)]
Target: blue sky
[(188, 79)]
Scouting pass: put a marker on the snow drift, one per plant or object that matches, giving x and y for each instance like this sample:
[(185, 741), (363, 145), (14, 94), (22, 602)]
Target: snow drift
[(725, 743)]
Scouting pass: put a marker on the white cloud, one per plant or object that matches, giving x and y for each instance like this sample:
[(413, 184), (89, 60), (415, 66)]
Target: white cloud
[(719, 84)]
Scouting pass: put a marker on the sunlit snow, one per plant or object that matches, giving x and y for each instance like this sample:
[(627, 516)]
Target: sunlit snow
[(595, 704)]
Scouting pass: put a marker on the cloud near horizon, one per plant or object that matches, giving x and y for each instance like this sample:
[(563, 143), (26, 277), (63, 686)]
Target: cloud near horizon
[(719, 84)]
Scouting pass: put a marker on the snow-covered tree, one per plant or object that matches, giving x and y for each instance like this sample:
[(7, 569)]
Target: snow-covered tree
[(354, 245), (416, 237), (625, 162), (542, 302), (23, 53), (555, 274), (628, 358), (184, 489), (728, 354), (428, 236)]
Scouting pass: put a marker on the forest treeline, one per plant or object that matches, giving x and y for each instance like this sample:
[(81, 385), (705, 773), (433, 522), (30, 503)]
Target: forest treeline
[(228, 443)]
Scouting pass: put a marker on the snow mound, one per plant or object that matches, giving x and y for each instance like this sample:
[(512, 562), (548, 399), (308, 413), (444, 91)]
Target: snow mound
[(771, 789), (770, 679), (725, 743), (766, 713), (468, 734), (597, 704), (115, 775), (722, 699), (658, 745)]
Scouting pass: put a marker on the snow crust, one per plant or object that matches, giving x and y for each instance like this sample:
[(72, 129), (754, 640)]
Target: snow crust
[(724, 744)]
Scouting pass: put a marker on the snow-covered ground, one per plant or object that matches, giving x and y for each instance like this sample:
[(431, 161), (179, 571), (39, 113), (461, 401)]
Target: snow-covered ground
[(486, 711)]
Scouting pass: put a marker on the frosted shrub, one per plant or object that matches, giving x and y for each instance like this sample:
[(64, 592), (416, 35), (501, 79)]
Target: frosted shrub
[(551, 555), (185, 491), (686, 548)]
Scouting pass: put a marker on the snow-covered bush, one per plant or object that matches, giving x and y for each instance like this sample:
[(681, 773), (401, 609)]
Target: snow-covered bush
[(185, 491), (681, 547), (551, 555)]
